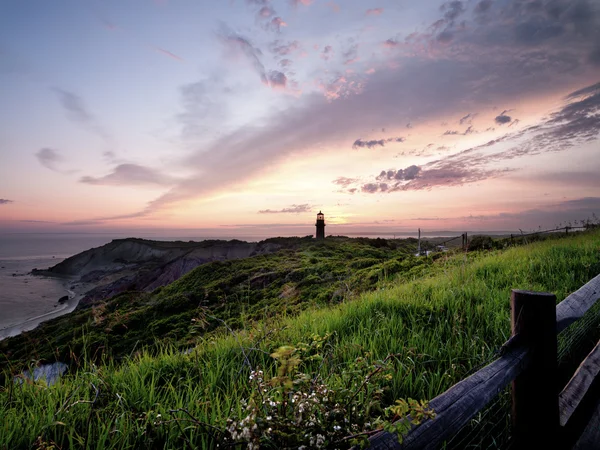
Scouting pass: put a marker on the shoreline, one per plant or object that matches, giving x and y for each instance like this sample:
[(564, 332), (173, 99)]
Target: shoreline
[(33, 322)]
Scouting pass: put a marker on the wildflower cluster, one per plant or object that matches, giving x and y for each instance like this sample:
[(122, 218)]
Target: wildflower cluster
[(296, 410)]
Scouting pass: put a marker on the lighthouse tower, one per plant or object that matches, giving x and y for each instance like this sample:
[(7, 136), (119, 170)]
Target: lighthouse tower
[(320, 226)]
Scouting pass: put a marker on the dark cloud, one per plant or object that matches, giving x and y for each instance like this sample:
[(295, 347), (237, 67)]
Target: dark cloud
[(483, 6), (537, 30), (52, 159), (131, 175), (452, 9), (327, 52), (359, 143), (469, 130), (239, 44), (285, 62), (410, 173), (294, 209), (467, 119), (445, 36), (4, 201), (584, 91), (277, 79), (502, 118)]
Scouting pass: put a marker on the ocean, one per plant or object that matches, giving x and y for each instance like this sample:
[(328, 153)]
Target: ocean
[(26, 300)]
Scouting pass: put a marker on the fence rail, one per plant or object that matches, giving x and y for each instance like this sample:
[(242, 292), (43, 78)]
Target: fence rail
[(529, 360)]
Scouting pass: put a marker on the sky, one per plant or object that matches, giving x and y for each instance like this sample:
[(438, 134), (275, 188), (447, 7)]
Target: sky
[(237, 117)]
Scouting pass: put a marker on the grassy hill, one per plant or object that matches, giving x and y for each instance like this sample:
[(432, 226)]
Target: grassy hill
[(345, 328)]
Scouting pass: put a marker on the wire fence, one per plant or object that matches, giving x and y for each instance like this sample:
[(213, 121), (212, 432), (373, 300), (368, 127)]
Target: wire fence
[(491, 428)]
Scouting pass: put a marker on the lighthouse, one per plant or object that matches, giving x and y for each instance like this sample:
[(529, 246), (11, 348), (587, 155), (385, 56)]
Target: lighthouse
[(320, 226)]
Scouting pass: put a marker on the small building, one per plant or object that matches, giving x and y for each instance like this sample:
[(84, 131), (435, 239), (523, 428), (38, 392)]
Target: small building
[(320, 225)]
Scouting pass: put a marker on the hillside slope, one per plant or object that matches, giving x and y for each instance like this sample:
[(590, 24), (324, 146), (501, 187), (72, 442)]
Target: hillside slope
[(437, 322), (142, 265)]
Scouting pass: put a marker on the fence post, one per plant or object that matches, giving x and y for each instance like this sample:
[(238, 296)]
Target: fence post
[(535, 412)]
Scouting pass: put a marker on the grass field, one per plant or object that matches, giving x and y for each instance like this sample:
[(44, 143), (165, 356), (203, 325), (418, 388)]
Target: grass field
[(438, 320)]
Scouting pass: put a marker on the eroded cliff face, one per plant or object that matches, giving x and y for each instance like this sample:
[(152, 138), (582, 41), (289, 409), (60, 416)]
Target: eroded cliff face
[(141, 265)]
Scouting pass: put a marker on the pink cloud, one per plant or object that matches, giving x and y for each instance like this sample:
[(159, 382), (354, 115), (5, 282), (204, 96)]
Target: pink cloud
[(301, 2), (276, 23), (168, 53), (391, 43), (266, 11), (340, 87), (370, 71), (374, 12)]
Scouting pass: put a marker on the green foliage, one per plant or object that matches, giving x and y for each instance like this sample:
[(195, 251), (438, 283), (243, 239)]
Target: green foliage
[(438, 320)]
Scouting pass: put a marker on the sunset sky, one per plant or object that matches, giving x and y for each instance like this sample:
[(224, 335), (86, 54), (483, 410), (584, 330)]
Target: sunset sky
[(235, 117)]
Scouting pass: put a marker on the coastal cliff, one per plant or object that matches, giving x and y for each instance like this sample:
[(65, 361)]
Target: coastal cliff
[(142, 265)]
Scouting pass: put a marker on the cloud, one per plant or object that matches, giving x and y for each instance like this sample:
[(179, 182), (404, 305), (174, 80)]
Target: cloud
[(168, 53), (131, 175), (359, 143), (77, 112), (73, 106), (344, 181), (484, 63), (276, 23), (452, 9), (467, 119), (548, 215), (374, 12), (51, 159), (575, 122), (266, 11), (588, 90), (4, 201), (351, 54), (327, 52), (239, 45), (483, 6), (281, 49), (277, 80), (294, 209), (502, 118)]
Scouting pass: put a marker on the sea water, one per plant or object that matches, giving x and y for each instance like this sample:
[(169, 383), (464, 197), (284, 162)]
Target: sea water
[(25, 299)]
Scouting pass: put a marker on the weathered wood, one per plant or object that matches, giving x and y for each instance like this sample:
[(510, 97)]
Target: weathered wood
[(575, 305), (578, 385), (590, 437), (459, 404), (535, 412)]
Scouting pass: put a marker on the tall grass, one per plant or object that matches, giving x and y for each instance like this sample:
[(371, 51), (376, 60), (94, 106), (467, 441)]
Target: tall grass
[(440, 326)]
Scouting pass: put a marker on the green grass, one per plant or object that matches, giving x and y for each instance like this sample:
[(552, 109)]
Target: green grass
[(440, 321)]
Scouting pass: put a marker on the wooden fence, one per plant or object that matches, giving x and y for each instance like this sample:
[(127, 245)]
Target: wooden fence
[(541, 413)]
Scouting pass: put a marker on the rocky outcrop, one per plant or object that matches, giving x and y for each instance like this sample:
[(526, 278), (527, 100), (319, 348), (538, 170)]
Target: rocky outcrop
[(142, 265)]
